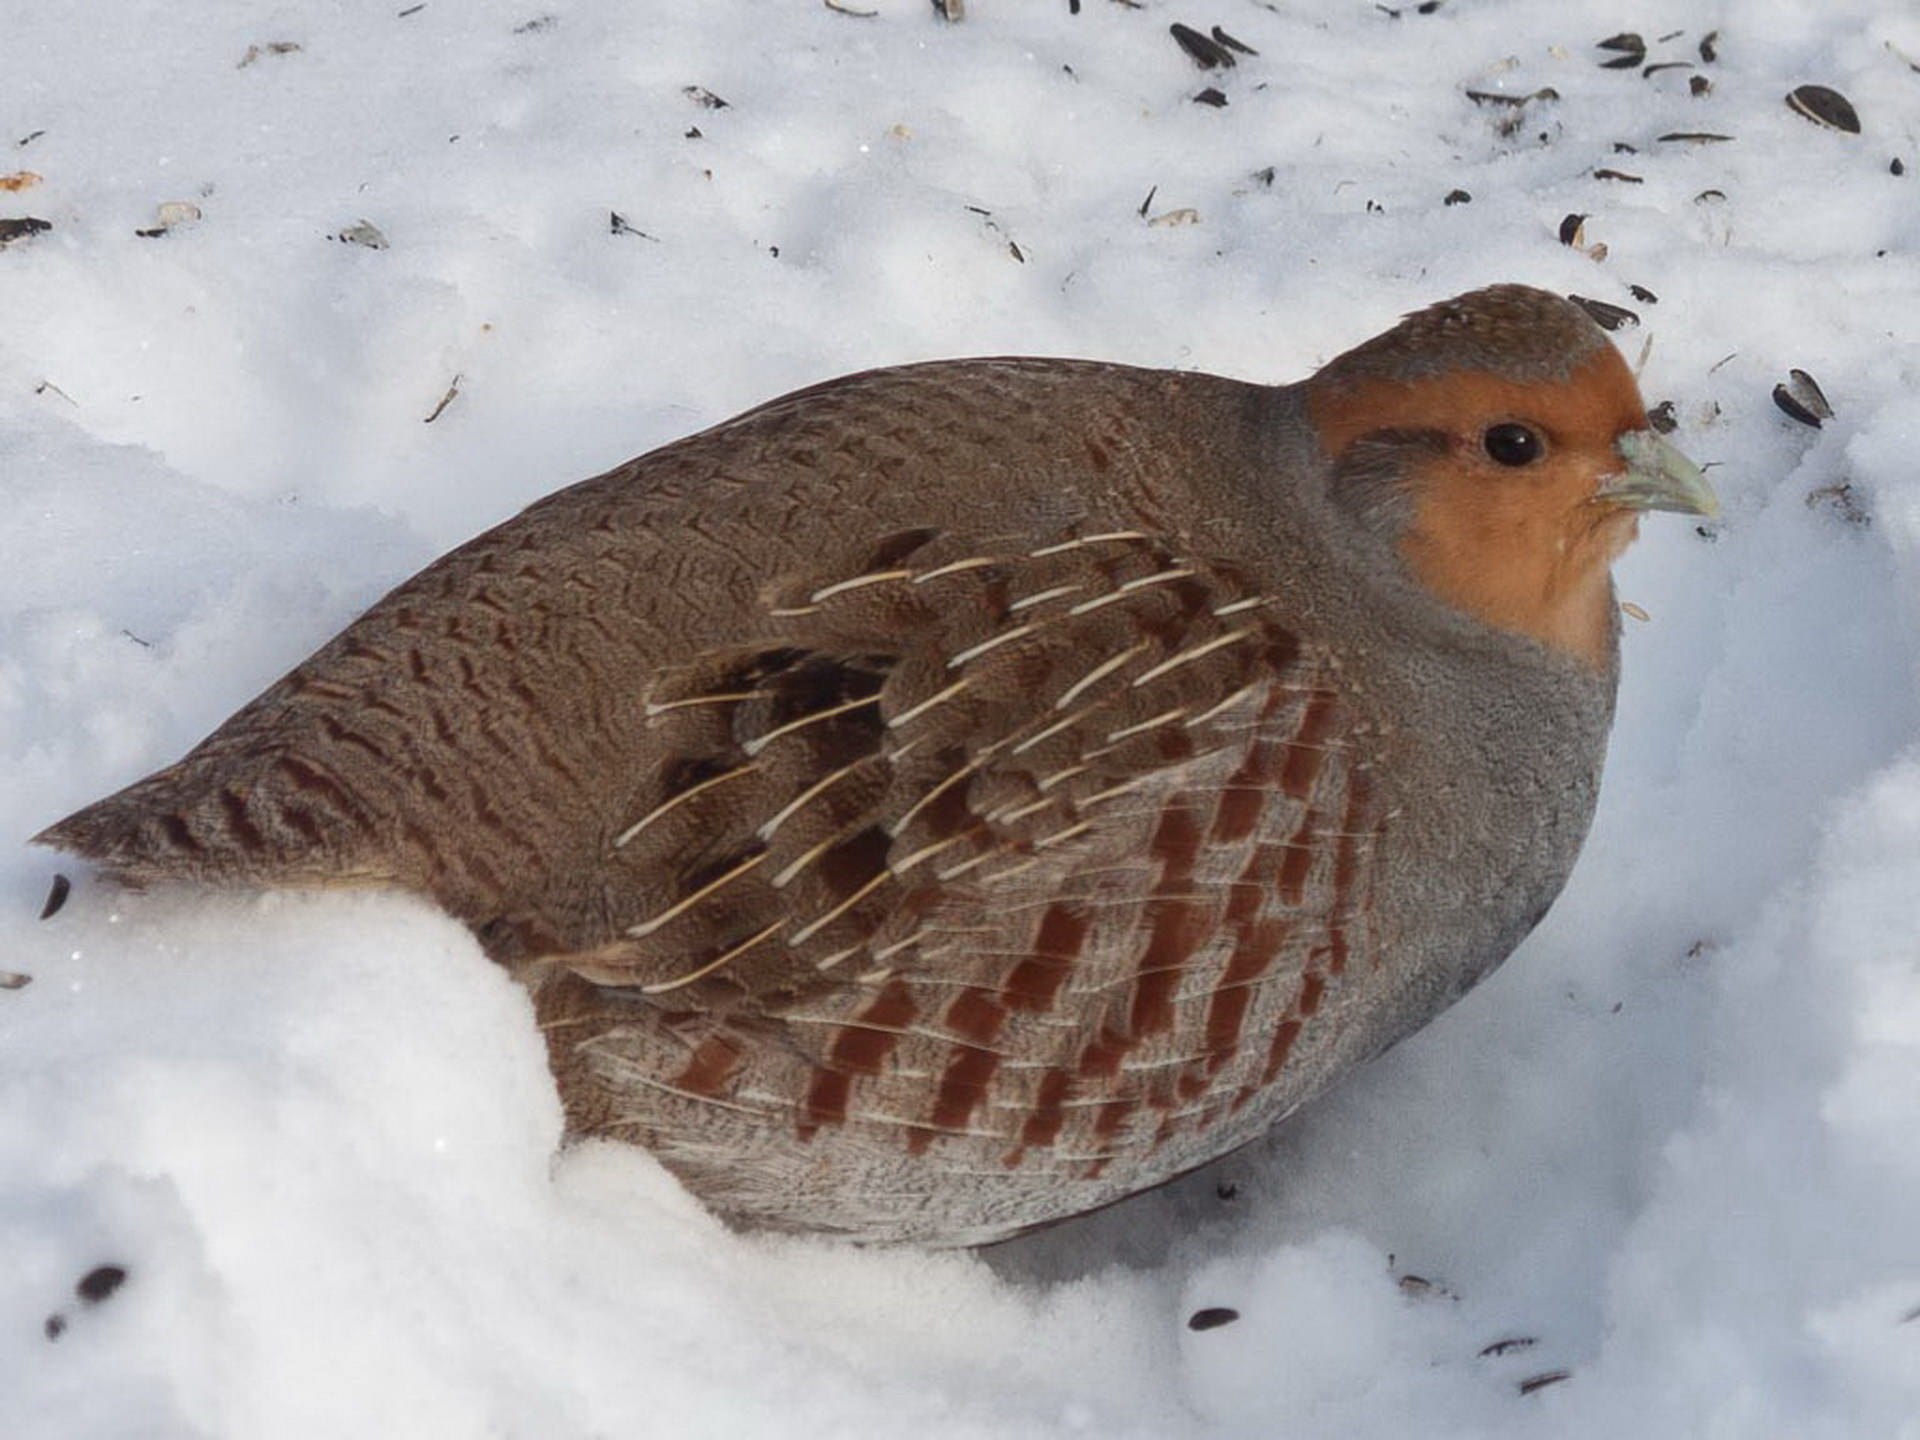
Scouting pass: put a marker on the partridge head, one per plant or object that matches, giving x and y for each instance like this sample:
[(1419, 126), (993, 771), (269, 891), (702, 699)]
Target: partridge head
[(955, 796)]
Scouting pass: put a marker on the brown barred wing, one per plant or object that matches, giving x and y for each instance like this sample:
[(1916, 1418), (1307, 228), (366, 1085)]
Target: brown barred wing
[(1037, 854)]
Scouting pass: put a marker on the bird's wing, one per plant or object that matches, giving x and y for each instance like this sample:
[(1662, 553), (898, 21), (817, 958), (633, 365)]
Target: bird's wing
[(1086, 801)]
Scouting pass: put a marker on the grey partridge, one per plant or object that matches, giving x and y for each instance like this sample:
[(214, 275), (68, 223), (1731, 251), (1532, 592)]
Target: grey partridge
[(953, 797)]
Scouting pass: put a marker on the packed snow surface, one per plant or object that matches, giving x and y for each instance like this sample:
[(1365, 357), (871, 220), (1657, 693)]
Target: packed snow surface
[(1660, 1176)]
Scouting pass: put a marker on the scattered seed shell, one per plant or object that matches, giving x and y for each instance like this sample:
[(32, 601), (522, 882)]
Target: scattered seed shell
[(1203, 50), (20, 227), (56, 896), (1233, 44), (1543, 1380), (1643, 295), (954, 10), (1802, 399), (19, 180), (1212, 1318), (1606, 316), (1694, 137), (1185, 215), (453, 392), (1493, 97), (1507, 1346), (272, 47), (1211, 96), (1825, 107), (1657, 67), (1699, 86), (14, 980), (839, 9), (1708, 50), (700, 95), (54, 1326), (1633, 611), (1897, 166), (363, 232), (100, 1282), (1456, 197), (1606, 174), (1573, 230), (1625, 40)]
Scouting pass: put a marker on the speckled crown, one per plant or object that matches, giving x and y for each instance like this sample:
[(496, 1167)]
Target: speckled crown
[(1514, 330)]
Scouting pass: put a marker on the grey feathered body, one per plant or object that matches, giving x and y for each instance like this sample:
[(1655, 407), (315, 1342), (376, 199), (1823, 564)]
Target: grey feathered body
[(931, 804)]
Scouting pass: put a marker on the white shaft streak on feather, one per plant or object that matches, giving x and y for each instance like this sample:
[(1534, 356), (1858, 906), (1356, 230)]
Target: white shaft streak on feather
[(1238, 605), (927, 852), (730, 697), (1100, 672), (1026, 602), (954, 872), (1015, 810), (1123, 788), (1193, 653), (1085, 540), (954, 568), (701, 972), (940, 698), (1163, 718), (786, 812), (671, 803), (785, 877), (1061, 776), (895, 827), (1129, 590), (827, 962), (633, 1073), (760, 742), (647, 927), (813, 927), (841, 587), (973, 652), (1239, 696), (1055, 728)]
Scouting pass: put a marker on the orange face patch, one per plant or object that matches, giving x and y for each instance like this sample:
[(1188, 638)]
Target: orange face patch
[(1526, 548)]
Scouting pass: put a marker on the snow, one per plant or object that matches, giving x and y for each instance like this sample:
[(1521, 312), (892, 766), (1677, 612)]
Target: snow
[(1672, 1145)]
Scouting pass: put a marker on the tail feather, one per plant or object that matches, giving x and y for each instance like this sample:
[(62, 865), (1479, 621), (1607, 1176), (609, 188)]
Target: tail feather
[(236, 820)]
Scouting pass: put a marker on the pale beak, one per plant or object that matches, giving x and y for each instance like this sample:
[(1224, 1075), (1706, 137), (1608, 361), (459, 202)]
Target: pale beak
[(1658, 477)]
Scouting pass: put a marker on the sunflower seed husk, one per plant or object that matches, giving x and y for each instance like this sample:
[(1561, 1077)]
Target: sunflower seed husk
[(1231, 43), (1825, 107), (1492, 97), (1608, 174), (1709, 50), (1212, 1318), (1573, 230), (1662, 418), (19, 227), (1695, 137), (56, 897), (363, 232), (1606, 316), (1204, 51), (1543, 1380), (1507, 1347), (1802, 399)]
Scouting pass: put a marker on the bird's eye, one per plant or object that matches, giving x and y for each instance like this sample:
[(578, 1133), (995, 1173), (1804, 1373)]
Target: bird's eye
[(1513, 444)]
